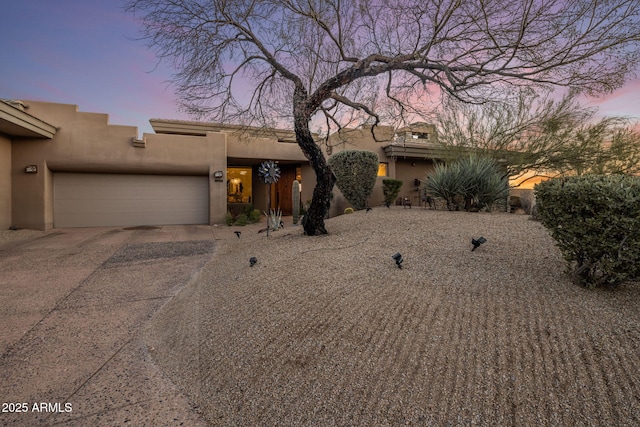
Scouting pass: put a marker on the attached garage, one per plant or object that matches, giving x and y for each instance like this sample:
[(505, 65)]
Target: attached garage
[(92, 200)]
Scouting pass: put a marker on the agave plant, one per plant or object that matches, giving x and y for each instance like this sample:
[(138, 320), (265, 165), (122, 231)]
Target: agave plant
[(274, 219)]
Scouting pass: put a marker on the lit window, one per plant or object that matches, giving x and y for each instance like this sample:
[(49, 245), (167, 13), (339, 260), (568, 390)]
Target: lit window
[(239, 185), (382, 169)]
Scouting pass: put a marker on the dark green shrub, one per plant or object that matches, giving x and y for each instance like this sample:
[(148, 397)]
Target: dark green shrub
[(254, 216), (595, 221), (229, 219), (390, 189), (356, 172), (472, 182), (247, 215), (241, 219)]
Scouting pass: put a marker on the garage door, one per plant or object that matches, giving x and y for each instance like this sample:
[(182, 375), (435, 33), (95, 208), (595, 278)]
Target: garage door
[(91, 200)]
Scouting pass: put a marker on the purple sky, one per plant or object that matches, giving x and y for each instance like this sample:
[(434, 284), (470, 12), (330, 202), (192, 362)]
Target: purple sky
[(83, 52)]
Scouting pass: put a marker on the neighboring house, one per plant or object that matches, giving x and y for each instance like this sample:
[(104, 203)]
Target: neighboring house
[(63, 168)]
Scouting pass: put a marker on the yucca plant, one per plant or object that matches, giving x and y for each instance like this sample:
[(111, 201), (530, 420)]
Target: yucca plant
[(475, 181), (484, 183), (445, 182)]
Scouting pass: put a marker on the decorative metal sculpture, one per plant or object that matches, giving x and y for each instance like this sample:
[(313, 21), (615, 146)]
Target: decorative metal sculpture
[(269, 172)]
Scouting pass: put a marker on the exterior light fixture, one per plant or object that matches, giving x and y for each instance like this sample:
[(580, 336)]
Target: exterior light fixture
[(252, 261), (238, 233), (398, 259), (477, 243), (217, 176)]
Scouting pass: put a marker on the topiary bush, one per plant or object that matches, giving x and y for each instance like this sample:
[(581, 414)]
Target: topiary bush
[(356, 172), (348, 211), (390, 189), (595, 221), (472, 182)]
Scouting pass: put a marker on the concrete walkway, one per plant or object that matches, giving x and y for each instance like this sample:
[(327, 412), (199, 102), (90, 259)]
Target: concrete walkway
[(73, 307)]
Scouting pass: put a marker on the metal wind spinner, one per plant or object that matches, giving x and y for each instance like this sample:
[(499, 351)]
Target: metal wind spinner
[(269, 172)]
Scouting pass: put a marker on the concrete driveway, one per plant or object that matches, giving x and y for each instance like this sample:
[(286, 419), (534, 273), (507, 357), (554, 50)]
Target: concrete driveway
[(73, 306)]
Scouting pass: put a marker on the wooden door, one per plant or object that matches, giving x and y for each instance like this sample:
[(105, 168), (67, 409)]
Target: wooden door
[(281, 191)]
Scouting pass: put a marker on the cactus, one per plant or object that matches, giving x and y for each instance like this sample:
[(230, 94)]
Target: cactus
[(295, 197)]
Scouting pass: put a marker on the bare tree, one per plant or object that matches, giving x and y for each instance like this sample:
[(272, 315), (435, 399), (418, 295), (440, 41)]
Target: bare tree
[(266, 61), (534, 134)]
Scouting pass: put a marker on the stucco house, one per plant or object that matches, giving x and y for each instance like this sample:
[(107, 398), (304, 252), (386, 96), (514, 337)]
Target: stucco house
[(60, 167), (407, 154)]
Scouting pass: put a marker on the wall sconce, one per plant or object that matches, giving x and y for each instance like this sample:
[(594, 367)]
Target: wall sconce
[(31, 169), (217, 176)]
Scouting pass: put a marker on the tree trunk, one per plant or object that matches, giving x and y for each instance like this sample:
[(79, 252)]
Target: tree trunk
[(313, 221)]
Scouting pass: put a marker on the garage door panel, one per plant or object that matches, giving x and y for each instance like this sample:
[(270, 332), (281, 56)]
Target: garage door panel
[(86, 200)]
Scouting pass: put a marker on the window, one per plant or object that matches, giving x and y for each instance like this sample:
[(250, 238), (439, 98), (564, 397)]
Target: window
[(239, 185), (420, 135), (383, 169)]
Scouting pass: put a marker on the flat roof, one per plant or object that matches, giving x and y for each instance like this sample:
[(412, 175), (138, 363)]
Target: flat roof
[(16, 122), (184, 127)]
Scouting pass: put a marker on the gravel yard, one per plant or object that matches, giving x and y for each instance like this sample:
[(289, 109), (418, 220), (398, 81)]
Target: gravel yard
[(328, 331), (8, 236)]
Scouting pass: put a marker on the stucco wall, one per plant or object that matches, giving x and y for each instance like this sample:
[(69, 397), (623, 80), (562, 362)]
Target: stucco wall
[(5, 182), (85, 142), (409, 170), (263, 148)]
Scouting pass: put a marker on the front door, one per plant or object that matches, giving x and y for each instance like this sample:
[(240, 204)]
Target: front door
[(281, 191)]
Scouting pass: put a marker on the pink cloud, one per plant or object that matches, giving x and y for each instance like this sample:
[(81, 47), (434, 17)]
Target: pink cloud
[(622, 102)]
